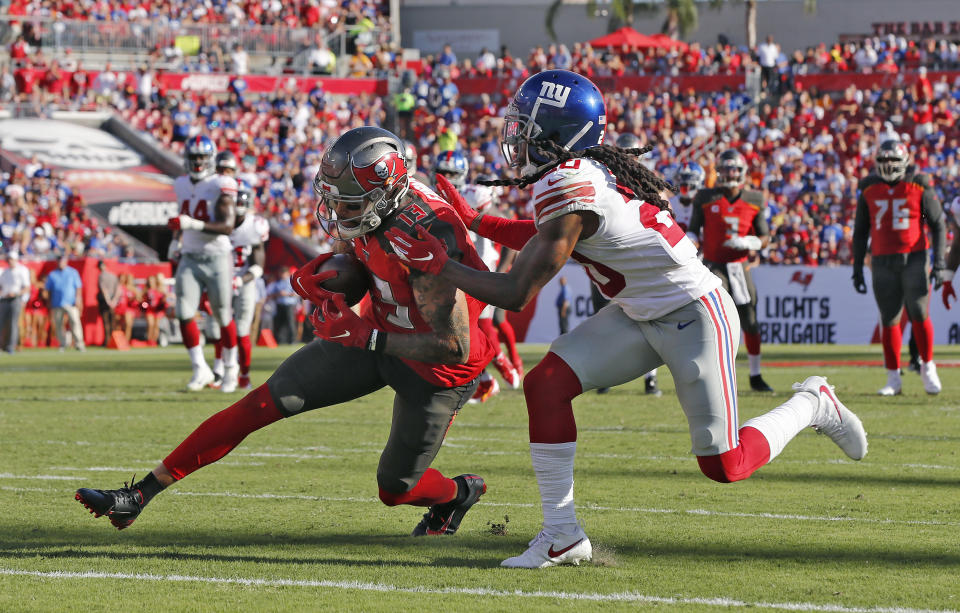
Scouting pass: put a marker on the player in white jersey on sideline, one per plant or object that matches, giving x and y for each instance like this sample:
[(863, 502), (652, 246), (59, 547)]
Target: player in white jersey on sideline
[(248, 240), (597, 204), (688, 180), (205, 222), (453, 165)]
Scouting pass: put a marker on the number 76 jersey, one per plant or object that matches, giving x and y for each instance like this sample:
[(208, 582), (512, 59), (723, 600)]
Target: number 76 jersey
[(639, 257), (895, 213)]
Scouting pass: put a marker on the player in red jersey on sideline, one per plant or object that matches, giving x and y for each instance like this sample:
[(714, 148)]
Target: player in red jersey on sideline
[(894, 203), (419, 337)]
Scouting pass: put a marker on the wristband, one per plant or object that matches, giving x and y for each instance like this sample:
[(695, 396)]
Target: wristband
[(947, 275), (256, 271), (378, 341)]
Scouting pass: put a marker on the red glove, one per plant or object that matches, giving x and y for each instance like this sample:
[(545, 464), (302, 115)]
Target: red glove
[(446, 189), (306, 281), (948, 293), (334, 321), (429, 254), (174, 223)]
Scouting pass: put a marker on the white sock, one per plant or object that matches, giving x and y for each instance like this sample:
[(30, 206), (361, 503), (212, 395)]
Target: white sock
[(783, 423), (218, 363), (553, 465), (196, 356), (229, 356), (754, 364)]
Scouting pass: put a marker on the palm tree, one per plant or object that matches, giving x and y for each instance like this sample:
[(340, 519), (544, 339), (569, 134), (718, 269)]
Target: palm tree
[(681, 14)]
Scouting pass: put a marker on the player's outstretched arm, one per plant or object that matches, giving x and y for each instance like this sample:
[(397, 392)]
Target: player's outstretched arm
[(513, 233), (542, 257)]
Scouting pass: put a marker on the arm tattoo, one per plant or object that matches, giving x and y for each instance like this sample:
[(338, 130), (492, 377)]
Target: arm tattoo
[(444, 308)]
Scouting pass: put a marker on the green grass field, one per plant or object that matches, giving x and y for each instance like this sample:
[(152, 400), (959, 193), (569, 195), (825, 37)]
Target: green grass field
[(290, 520)]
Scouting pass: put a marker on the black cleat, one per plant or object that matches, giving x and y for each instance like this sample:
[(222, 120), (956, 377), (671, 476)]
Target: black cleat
[(650, 386), (121, 506), (757, 384), (445, 518), (914, 365)]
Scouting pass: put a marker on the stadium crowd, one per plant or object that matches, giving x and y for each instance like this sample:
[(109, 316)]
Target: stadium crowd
[(806, 149)]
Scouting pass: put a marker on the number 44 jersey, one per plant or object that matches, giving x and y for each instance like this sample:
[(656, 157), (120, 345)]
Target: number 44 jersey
[(639, 257), (199, 200)]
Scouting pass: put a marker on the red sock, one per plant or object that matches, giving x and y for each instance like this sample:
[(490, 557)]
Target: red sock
[(432, 488), (243, 354), (228, 334), (923, 333), (218, 348), (219, 434), (752, 341), (741, 461), (190, 333), (509, 338), (892, 339), (550, 389)]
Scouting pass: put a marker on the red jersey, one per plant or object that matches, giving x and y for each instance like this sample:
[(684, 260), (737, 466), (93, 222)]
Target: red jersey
[(894, 214), (719, 219), (393, 307)]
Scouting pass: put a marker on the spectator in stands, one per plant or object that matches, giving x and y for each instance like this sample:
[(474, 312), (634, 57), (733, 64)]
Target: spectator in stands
[(66, 300), (239, 60), (14, 291)]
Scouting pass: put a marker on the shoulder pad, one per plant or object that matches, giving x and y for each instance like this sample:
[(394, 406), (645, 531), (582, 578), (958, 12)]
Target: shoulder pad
[(754, 197), (921, 179), (869, 180), (707, 195)]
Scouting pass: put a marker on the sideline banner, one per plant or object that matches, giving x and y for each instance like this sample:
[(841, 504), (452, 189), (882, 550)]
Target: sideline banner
[(796, 304)]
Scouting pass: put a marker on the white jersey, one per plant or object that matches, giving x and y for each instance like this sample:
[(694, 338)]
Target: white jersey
[(199, 200), (682, 212), (254, 230), (480, 197), (639, 257)]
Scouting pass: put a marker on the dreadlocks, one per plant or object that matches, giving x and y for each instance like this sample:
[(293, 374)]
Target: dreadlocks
[(644, 183)]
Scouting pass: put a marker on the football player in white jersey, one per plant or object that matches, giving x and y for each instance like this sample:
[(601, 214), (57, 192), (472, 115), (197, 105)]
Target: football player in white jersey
[(248, 240), (688, 180), (597, 204), (206, 221), (453, 165)]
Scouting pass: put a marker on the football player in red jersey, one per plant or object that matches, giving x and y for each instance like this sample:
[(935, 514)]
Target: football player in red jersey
[(894, 201), (732, 222), (420, 337)]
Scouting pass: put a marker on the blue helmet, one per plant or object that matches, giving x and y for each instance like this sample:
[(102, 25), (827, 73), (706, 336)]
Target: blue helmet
[(199, 155), (558, 105), (689, 178), (453, 165)]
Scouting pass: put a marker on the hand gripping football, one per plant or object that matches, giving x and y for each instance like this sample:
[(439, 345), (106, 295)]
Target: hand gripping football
[(352, 279)]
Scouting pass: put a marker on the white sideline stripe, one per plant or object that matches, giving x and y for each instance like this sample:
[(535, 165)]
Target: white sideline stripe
[(475, 591), (527, 505)]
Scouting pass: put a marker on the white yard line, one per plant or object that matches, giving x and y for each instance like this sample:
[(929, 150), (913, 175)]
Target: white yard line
[(363, 586), (527, 505)]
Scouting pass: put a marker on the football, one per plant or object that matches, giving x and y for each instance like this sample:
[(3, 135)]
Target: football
[(352, 279)]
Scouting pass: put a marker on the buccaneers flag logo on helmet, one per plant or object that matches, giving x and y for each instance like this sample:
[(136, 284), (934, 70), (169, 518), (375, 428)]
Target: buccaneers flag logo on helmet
[(385, 172)]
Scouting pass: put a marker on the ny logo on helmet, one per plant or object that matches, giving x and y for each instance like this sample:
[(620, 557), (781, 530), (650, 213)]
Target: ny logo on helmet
[(553, 94)]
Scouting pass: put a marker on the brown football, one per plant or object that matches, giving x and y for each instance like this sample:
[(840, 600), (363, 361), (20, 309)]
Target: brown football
[(352, 279)]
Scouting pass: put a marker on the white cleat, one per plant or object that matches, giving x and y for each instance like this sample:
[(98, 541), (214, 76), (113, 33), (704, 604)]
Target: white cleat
[(231, 375), (202, 375), (546, 550), (893, 386), (835, 420), (928, 374)]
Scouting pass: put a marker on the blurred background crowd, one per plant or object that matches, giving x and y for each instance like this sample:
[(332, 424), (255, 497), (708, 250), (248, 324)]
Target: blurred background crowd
[(806, 149)]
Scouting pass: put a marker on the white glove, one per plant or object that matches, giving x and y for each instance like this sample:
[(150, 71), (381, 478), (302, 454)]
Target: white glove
[(189, 223), (237, 283), (744, 243)]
